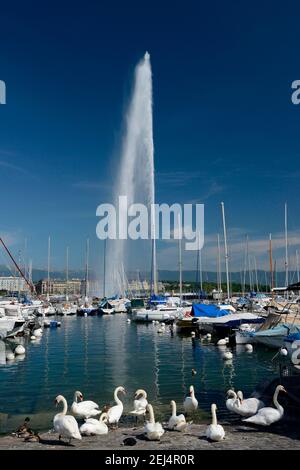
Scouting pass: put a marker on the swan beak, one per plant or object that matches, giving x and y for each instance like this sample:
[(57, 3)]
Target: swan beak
[(81, 398), (55, 402), (284, 390)]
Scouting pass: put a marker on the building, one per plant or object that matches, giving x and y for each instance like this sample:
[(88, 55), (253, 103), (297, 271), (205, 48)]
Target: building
[(143, 286), (59, 287), (13, 284)]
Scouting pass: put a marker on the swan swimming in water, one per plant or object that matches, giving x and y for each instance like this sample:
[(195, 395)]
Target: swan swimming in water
[(176, 423), (269, 415), (93, 426), (215, 432), (85, 409), (153, 430), (115, 412), (139, 404), (190, 403), (65, 425)]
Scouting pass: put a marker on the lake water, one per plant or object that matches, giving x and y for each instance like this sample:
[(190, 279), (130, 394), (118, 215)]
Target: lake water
[(96, 354)]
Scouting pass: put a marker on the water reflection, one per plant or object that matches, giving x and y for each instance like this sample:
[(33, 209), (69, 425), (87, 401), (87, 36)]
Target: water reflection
[(96, 354)]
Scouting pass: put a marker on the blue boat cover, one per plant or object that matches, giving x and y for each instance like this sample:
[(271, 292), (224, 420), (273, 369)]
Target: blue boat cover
[(292, 337), (157, 299), (212, 311)]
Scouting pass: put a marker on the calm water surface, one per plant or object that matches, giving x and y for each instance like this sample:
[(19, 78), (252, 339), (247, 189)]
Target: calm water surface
[(96, 354)]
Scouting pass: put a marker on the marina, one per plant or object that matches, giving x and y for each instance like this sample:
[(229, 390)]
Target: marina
[(149, 234)]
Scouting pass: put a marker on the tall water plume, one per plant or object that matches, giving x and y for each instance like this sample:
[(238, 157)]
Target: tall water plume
[(136, 172)]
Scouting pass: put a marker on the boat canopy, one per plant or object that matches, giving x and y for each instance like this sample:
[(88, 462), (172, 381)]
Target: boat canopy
[(157, 299), (211, 311)]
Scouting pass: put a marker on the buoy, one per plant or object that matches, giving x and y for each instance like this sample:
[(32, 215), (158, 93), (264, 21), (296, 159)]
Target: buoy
[(58, 323), (32, 337), (227, 355), (20, 349), (208, 336), (153, 322), (249, 347), (10, 356), (85, 314), (163, 324), (160, 330), (283, 351), (193, 334), (221, 342), (128, 320), (227, 340)]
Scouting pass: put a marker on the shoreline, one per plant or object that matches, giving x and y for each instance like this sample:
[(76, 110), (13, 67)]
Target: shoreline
[(238, 437)]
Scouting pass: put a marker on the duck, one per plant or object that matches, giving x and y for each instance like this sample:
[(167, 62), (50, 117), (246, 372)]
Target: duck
[(93, 426), (176, 423), (65, 425), (215, 432), (23, 428), (153, 430), (139, 404), (249, 406), (190, 403), (268, 415), (115, 412), (85, 409)]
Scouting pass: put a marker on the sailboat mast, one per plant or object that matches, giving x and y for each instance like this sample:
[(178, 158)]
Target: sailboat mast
[(226, 251), (297, 266), (104, 268), (87, 268), (180, 258), (67, 274), (48, 280), (271, 264), (219, 268), (286, 247), (256, 276)]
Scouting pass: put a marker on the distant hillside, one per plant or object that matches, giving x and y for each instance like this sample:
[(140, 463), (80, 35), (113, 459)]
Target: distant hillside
[(165, 275)]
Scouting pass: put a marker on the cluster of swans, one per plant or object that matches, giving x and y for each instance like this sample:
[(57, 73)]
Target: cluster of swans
[(252, 410)]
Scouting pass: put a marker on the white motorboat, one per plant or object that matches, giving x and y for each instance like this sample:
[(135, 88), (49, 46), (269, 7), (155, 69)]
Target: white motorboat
[(161, 313), (6, 326)]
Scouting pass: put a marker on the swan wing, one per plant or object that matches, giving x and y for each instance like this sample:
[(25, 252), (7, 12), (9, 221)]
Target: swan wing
[(265, 416), (114, 414), (67, 426)]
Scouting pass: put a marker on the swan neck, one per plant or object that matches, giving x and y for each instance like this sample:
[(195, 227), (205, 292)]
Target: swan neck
[(214, 416), (275, 399), (173, 408), (151, 415), (65, 408), (117, 399)]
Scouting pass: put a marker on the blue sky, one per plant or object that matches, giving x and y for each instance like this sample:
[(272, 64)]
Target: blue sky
[(224, 124)]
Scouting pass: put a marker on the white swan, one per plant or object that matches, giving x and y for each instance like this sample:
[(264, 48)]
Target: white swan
[(232, 400), (85, 409), (139, 404), (115, 412), (248, 407), (190, 403), (65, 425), (153, 430), (268, 415), (215, 432), (176, 423), (93, 426)]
